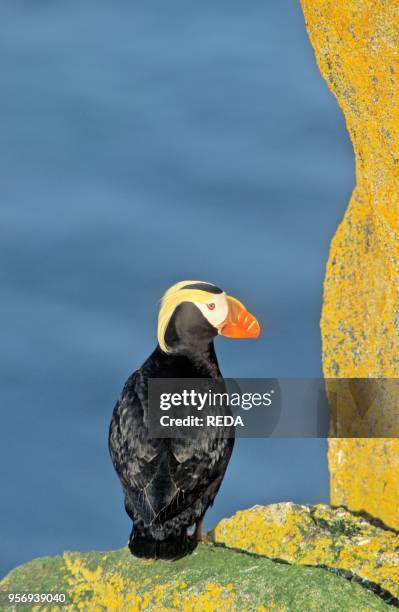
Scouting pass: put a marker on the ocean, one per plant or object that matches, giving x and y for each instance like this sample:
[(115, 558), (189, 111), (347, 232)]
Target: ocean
[(142, 144)]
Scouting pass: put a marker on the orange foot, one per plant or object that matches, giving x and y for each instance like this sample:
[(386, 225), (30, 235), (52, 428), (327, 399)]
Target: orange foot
[(201, 537)]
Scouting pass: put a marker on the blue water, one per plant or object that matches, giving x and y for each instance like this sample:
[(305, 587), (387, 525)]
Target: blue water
[(141, 144)]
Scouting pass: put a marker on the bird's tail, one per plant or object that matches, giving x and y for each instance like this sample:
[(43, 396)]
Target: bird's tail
[(143, 545)]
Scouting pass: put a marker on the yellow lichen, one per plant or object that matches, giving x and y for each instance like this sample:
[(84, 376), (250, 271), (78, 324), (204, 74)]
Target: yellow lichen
[(357, 50), (99, 589), (212, 599), (316, 535)]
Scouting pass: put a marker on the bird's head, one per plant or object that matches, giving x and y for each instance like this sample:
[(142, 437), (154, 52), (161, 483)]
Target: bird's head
[(192, 313)]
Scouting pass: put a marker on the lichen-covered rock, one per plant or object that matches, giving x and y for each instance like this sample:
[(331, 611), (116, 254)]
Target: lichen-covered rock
[(211, 579), (316, 535), (357, 50)]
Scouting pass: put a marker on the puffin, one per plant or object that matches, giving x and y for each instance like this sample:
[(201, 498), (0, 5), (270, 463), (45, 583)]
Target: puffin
[(168, 484)]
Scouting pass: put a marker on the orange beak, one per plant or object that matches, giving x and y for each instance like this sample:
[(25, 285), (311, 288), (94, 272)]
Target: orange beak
[(239, 322)]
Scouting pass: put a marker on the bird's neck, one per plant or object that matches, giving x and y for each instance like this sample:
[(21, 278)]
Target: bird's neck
[(204, 359), (198, 361)]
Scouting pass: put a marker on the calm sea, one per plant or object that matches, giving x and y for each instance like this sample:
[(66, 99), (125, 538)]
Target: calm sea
[(141, 144)]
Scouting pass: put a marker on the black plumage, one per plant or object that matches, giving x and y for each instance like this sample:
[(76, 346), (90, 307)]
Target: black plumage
[(168, 484)]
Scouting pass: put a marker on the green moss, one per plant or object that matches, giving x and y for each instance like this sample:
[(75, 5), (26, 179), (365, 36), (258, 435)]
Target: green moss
[(211, 578)]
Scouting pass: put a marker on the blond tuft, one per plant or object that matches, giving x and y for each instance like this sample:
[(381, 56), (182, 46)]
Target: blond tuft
[(173, 297)]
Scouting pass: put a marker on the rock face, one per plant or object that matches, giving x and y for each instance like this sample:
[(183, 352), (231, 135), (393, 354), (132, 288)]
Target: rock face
[(356, 45), (319, 536), (210, 579)]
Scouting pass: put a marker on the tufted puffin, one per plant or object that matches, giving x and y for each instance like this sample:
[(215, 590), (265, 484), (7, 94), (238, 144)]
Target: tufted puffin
[(168, 484)]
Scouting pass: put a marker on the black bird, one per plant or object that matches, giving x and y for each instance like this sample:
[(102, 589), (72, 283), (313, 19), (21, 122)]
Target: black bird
[(169, 484)]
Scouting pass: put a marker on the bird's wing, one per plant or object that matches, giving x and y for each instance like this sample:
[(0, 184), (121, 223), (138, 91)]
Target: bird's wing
[(161, 477), (134, 455), (199, 466)]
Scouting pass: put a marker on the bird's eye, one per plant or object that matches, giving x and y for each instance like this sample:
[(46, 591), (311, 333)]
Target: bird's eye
[(211, 306)]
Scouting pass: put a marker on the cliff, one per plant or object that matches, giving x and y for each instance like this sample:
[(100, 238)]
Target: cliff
[(221, 577), (356, 46)]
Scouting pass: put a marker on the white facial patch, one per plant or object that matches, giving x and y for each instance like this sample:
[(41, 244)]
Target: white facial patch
[(215, 310)]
